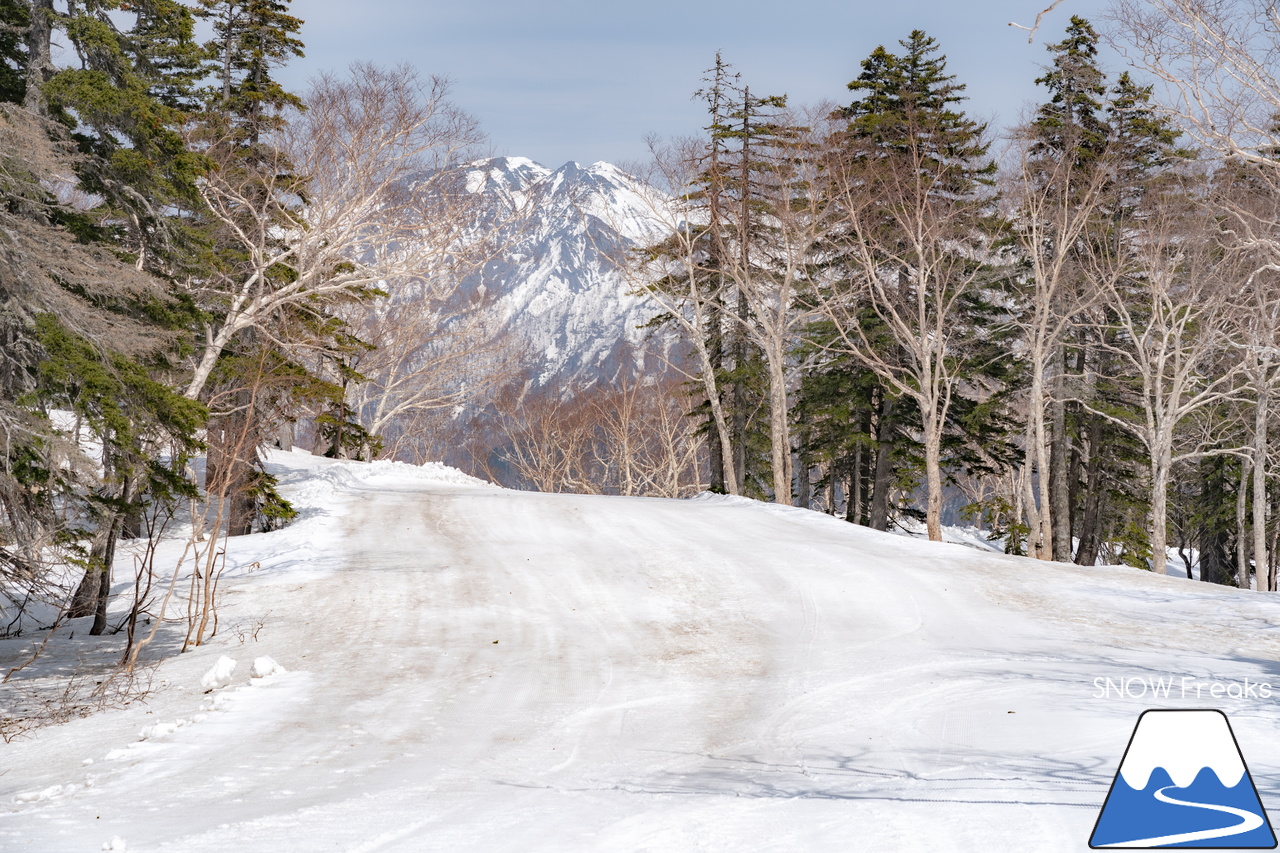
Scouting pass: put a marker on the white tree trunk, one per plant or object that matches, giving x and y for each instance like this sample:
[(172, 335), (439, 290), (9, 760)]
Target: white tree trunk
[(933, 473), (1161, 463), (1260, 425), (780, 434)]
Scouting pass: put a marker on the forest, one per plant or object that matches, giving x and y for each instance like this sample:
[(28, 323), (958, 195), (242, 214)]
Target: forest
[(1066, 333)]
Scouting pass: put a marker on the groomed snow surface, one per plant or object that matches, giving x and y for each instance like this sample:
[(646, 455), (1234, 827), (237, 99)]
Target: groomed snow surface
[(458, 667)]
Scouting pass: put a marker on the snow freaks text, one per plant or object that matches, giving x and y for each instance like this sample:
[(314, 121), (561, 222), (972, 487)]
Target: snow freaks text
[(1178, 687)]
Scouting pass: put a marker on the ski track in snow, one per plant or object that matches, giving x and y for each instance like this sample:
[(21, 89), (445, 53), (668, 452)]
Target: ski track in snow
[(470, 668)]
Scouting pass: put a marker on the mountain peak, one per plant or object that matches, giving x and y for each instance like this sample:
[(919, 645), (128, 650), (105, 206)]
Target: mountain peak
[(558, 281)]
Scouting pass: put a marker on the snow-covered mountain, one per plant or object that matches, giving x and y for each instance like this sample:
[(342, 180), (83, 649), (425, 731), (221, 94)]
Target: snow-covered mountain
[(557, 268)]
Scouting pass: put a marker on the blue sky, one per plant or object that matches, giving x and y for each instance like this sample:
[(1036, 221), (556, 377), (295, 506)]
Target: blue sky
[(586, 81)]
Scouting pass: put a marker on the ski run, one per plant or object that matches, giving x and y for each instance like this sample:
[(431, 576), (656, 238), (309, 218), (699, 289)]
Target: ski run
[(424, 662)]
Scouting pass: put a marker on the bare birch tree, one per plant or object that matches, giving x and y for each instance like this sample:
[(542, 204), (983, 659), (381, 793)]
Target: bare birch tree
[(1171, 310), (1253, 208), (426, 355), (678, 276), (631, 437), (353, 192), (1215, 61), (795, 213), (1052, 203)]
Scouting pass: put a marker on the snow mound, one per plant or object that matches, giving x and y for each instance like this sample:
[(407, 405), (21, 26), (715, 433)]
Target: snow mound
[(45, 794), (322, 477), (162, 729), (265, 666), (725, 500), (220, 675), (430, 472)]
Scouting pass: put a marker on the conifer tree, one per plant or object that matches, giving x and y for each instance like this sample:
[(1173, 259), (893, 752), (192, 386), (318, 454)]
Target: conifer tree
[(254, 377), (1111, 501), (851, 430), (710, 195), (251, 39), (88, 334), (136, 158), (1060, 189), (724, 195), (743, 132), (164, 49), (917, 189), (1071, 123), (14, 21)]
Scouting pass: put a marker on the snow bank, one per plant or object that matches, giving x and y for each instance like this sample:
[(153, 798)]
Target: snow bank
[(220, 675), (265, 666), (309, 479), (951, 535), (431, 472)]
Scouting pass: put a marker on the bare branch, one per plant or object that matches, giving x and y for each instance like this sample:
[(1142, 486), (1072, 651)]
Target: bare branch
[(1031, 30)]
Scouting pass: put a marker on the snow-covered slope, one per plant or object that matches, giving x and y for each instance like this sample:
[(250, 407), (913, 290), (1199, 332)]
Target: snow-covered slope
[(557, 273), (476, 669)]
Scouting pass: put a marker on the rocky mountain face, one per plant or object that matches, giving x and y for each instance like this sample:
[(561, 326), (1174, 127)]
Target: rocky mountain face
[(556, 272)]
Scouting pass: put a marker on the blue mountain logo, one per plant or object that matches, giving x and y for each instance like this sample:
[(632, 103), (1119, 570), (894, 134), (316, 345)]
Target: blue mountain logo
[(1183, 783)]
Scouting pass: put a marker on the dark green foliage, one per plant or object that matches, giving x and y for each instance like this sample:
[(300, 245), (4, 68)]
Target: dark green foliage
[(743, 154), (251, 39), (275, 510), (919, 165), (119, 402), (14, 17), (347, 439), (165, 53), (838, 409), (906, 106), (127, 116), (1143, 143), (1071, 123), (258, 384)]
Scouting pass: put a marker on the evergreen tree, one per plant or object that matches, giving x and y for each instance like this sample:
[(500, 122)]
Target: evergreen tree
[(1143, 145), (739, 134), (131, 414), (710, 196), (254, 377), (918, 180), (906, 106), (726, 193), (14, 19), (136, 159), (90, 335), (1071, 123), (163, 46), (1147, 168), (260, 383), (251, 39), (853, 430), (1068, 140)]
